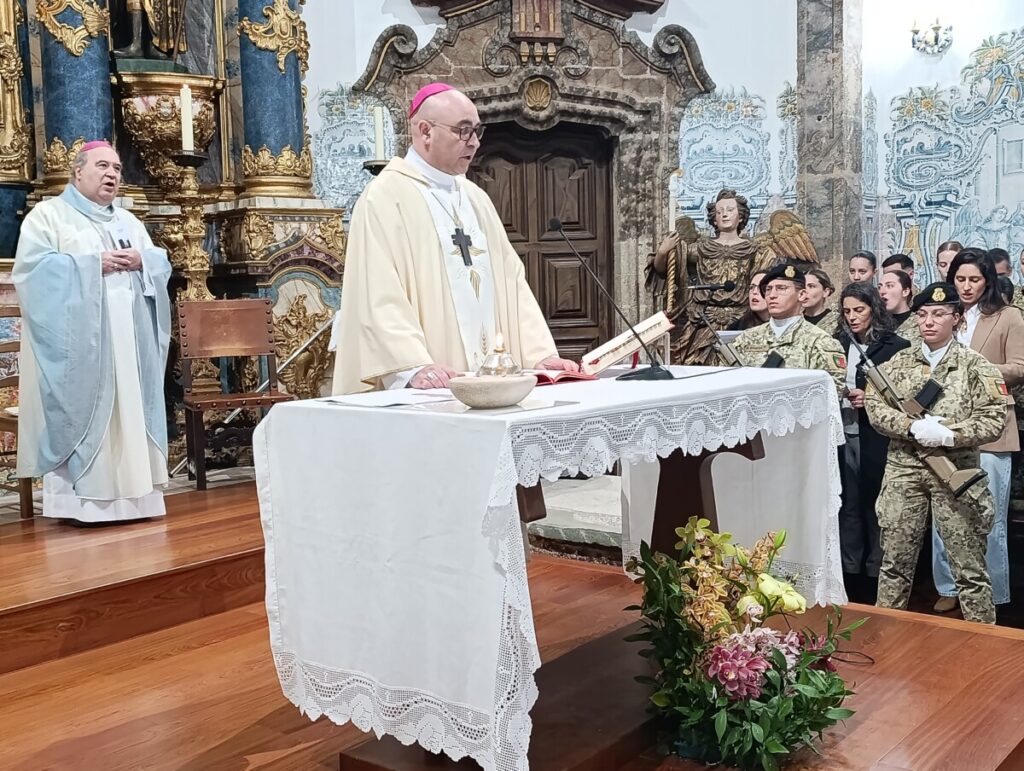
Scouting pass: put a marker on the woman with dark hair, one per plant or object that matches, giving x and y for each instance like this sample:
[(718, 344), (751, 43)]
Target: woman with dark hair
[(756, 313), (996, 331), (897, 290), (819, 289), (863, 457), (862, 267)]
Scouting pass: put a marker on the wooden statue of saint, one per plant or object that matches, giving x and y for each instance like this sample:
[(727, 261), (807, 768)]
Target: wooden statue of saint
[(729, 255), (163, 21)]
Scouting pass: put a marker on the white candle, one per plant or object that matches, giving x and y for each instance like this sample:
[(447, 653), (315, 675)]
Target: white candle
[(188, 142), (378, 133)]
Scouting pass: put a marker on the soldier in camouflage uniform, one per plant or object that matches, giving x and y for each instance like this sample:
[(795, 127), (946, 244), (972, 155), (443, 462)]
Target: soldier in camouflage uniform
[(801, 344), (969, 412), (909, 330)]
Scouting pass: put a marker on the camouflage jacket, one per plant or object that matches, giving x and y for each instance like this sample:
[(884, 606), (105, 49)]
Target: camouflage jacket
[(973, 401), (802, 346), (910, 331), (827, 321)]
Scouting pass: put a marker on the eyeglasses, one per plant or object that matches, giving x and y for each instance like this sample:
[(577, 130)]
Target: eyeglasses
[(464, 132), (938, 316)]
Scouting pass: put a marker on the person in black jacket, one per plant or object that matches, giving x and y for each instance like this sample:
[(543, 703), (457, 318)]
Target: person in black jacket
[(863, 315)]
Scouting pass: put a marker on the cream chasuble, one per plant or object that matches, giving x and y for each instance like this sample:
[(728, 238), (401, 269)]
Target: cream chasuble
[(409, 300)]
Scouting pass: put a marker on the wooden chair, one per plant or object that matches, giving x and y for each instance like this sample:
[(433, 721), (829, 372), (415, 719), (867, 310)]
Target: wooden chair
[(9, 424), (223, 328)]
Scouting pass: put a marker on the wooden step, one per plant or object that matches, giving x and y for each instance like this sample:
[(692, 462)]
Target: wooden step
[(65, 590), (204, 696)]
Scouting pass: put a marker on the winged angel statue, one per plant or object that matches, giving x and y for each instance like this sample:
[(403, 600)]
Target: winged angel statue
[(684, 258)]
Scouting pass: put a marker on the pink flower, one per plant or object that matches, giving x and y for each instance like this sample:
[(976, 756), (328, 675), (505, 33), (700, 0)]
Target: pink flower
[(739, 670), (815, 644)]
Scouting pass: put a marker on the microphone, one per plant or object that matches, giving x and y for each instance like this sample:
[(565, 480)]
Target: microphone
[(728, 286), (653, 372)]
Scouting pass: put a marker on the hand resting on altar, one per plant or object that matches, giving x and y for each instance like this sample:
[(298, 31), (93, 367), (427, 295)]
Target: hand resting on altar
[(432, 376), (554, 362)]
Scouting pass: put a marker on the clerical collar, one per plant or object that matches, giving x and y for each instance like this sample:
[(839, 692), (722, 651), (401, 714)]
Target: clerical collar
[(781, 326), (434, 176), (934, 357)]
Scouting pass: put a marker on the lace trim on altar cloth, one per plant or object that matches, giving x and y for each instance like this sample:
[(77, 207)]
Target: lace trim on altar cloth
[(592, 445), (407, 714)]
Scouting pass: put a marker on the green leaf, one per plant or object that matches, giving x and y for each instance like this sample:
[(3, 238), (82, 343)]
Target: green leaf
[(768, 761), (660, 699), (757, 732), (856, 624), (838, 714), (721, 720), (775, 747), (806, 690)]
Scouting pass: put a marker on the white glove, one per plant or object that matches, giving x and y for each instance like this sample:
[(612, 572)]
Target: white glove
[(929, 432)]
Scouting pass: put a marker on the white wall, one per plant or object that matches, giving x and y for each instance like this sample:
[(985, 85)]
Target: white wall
[(891, 66), (949, 179), (747, 44), (342, 34)]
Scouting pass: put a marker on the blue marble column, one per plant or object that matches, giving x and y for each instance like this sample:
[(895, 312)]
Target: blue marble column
[(272, 104), (14, 186), (77, 103)]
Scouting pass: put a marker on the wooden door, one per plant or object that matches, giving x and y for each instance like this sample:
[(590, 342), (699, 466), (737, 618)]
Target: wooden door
[(534, 176)]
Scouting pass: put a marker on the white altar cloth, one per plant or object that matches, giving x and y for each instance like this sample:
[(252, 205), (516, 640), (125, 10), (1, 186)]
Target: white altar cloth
[(396, 577)]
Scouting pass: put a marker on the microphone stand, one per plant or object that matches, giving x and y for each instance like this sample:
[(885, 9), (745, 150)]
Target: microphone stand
[(655, 371)]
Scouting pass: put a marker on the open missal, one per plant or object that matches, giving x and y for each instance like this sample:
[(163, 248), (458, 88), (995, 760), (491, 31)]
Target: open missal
[(552, 376), (618, 348)]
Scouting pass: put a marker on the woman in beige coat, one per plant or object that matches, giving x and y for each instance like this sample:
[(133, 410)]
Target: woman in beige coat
[(996, 331)]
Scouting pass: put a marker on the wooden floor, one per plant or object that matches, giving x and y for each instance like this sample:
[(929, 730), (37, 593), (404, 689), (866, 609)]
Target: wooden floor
[(44, 558), (146, 647), (204, 695), (65, 589)]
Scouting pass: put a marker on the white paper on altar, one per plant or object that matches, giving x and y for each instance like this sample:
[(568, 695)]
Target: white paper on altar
[(396, 398), (795, 488), (395, 554)]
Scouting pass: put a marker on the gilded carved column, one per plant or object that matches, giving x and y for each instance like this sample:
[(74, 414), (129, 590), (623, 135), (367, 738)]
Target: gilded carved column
[(17, 153), (276, 158), (75, 50)]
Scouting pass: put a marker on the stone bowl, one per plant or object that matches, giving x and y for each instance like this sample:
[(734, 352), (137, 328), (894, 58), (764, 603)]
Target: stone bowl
[(490, 392)]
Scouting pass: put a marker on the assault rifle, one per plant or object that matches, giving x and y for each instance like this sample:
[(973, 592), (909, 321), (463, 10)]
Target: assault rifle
[(957, 480)]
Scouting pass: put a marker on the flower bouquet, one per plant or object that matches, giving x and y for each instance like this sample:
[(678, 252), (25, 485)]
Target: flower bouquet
[(728, 689)]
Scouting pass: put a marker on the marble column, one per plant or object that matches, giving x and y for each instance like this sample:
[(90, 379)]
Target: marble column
[(829, 127), (77, 106), (17, 154), (274, 54)]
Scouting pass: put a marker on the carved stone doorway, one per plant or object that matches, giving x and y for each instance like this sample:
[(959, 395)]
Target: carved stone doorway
[(564, 172)]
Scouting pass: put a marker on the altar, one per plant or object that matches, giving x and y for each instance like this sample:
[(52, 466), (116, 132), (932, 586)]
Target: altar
[(396, 574)]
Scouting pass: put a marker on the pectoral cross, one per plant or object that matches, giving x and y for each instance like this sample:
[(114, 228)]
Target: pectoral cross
[(464, 242)]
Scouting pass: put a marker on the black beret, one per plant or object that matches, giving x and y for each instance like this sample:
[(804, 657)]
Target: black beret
[(786, 272), (939, 293)]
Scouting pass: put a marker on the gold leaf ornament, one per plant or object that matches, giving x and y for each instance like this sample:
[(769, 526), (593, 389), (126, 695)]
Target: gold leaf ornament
[(283, 32), (95, 22)]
